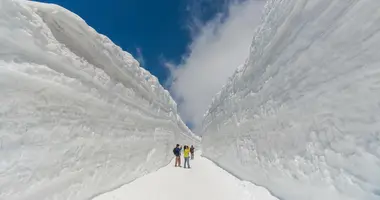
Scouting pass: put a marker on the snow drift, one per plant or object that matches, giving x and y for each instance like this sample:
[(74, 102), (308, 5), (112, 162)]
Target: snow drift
[(301, 117), (78, 116)]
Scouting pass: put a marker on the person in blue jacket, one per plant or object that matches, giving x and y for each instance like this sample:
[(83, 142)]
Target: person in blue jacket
[(177, 153)]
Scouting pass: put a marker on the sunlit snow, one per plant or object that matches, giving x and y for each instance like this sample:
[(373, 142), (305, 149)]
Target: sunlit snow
[(78, 116), (302, 116), (203, 181)]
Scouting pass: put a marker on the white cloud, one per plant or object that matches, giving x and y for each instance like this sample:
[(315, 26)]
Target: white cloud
[(220, 47), (140, 58)]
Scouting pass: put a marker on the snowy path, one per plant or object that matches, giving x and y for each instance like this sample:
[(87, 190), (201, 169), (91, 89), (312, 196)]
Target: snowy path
[(204, 180)]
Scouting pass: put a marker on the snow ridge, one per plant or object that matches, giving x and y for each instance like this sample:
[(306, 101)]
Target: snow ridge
[(78, 115), (301, 118)]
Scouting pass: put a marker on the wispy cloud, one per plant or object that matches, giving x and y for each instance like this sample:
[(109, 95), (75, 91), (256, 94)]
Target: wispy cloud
[(140, 57), (218, 48)]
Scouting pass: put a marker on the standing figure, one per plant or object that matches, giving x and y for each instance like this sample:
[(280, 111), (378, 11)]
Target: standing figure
[(192, 152), (177, 154), (186, 153)]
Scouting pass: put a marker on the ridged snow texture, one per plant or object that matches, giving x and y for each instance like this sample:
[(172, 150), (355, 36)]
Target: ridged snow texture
[(302, 116), (78, 116)]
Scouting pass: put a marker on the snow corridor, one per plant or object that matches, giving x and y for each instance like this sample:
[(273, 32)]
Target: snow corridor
[(204, 180)]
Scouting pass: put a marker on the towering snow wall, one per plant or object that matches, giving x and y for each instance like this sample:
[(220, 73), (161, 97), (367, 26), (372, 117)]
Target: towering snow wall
[(78, 116), (302, 116)]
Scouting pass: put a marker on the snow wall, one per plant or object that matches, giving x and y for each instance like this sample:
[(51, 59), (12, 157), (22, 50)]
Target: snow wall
[(302, 116), (78, 116)]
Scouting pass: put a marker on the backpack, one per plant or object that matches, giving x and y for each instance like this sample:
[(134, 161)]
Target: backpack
[(175, 151)]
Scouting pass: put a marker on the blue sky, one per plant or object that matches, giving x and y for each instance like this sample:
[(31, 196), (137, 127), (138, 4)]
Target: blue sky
[(191, 46), (156, 28)]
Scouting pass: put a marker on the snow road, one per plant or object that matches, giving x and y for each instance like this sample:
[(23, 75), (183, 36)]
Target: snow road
[(204, 180)]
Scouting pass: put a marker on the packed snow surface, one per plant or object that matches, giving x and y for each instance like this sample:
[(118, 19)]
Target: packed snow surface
[(204, 181), (78, 116), (302, 116)]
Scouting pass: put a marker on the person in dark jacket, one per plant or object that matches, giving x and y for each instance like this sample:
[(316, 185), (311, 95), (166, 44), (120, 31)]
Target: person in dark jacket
[(192, 152), (177, 154)]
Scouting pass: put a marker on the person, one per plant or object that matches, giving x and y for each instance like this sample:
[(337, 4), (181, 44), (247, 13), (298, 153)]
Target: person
[(186, 153), (177, 153), (192, 152)]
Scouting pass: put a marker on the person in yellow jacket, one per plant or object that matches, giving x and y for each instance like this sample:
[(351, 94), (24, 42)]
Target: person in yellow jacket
[(186, 155)]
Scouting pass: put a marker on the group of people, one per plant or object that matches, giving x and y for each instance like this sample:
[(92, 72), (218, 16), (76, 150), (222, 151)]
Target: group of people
[(187, 153)]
